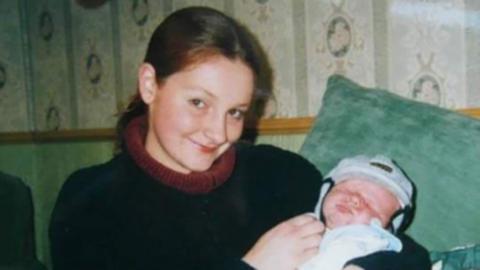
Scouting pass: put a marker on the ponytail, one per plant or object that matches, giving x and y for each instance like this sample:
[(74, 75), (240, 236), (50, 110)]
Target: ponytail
[(135, 108)]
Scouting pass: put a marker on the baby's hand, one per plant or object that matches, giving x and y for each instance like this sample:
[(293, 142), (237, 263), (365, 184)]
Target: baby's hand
[(287, 245)]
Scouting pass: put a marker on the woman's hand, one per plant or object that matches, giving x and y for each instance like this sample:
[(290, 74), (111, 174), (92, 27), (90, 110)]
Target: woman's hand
[(287, 245)]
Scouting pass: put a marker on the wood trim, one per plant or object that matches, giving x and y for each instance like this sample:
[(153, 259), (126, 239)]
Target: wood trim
[(284, 125), (16, 137), (473, 112), (72, 135), (279, 126), (58, 136)]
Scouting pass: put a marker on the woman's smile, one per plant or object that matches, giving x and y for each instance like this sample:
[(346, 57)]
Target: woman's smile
[(205, 148)]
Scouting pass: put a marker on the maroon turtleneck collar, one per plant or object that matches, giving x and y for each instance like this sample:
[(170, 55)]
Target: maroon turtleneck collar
[(194, 182)]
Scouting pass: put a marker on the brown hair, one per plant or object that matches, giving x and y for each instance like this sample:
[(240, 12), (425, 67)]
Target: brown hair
[(189, 36)]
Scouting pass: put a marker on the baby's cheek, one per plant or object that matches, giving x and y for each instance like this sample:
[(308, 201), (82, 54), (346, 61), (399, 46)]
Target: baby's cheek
[(364, 217), (335, 219)]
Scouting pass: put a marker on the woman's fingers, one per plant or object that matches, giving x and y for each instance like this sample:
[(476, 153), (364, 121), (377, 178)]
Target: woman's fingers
[(310, 233), (305, 229), (302, 219), (313, 227), (288, 244), (307, 255), (311, 241), (301, 225)]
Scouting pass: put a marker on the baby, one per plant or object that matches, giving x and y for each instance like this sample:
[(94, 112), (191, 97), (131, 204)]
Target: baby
[(363, 202)]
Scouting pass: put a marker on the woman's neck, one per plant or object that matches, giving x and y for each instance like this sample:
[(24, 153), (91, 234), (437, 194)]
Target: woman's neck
[(193, 183)]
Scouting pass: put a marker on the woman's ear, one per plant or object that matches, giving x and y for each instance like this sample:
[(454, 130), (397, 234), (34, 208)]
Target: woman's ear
[(147, 82)]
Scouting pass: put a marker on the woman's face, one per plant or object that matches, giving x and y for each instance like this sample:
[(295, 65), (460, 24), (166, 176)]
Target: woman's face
[(357, 201), (198, 112)]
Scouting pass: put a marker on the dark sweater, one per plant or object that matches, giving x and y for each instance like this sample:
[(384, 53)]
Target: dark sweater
[(115, 216), (119, 215)]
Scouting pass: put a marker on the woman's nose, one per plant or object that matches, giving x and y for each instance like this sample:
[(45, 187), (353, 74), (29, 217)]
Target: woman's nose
[(216, 130)]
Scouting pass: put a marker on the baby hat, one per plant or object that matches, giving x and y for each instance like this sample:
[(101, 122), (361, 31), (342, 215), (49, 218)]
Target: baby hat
[(379, 169)]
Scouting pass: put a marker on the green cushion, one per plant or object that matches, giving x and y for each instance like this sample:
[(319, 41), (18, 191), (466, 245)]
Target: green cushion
[(460, 258), (438, 149)]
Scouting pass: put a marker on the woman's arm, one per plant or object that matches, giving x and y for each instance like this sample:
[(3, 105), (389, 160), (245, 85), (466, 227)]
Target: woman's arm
[(80, 229), (287, 245), (291, 185)]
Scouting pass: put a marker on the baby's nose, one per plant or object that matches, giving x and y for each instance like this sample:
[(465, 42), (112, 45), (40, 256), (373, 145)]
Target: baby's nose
[(356, 201)]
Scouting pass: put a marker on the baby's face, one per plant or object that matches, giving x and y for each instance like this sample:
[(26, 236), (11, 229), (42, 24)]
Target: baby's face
[(356, 201)]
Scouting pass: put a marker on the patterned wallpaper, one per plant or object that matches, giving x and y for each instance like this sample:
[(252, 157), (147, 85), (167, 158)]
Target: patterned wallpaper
[(14, 87), (51, 80), (430, 40), (63, 66)]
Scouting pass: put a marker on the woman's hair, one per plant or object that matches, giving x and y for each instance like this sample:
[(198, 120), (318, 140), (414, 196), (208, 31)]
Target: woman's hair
[(189, 36)]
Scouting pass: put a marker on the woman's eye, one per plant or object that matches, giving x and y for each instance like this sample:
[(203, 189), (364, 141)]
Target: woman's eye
[(237, 114), (197, 103)]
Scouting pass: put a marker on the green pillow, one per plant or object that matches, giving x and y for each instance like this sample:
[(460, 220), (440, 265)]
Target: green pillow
[(459, 258), (438, 149)]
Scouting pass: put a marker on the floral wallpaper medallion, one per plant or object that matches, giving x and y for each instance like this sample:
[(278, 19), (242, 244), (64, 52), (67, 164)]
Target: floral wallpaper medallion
[(339, 36), (49, 42), (137, 19), (46, 29), (428, 38), (426, 88), (94, 68), (53, 118), (427, 85), (51, 112), (46, 26), (140, 15), (272, 23), (93, 71), (14, 79), (95, 56), (339, 40), (3, 76)]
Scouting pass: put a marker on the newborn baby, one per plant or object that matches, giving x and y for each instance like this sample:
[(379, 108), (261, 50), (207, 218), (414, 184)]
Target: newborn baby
[(363, 202)]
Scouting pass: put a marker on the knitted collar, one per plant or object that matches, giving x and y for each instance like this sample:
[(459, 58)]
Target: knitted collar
[(192, 183)]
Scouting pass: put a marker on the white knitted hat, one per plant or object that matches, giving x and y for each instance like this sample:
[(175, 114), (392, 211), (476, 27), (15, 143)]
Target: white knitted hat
[(379, 169)]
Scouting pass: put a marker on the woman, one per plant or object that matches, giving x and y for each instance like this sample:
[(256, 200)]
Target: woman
[(183, 193)]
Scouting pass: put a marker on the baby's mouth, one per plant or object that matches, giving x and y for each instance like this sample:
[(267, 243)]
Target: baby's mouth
[(343, 209)]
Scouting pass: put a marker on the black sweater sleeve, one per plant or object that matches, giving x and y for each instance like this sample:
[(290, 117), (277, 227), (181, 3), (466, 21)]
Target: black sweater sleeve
[(291, 180), (233, 264), (82, 229), (412, 256), (78, 228)]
